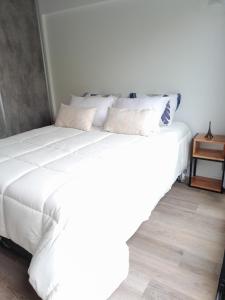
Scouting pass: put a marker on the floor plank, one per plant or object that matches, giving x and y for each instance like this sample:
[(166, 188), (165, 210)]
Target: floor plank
[(175, 255)]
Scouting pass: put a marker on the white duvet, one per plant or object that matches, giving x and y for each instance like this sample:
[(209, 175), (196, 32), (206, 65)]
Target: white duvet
[(73, 199)]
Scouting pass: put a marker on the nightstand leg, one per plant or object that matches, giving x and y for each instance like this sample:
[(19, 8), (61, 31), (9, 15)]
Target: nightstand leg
[(190, 175), (195, 166), (223, 177)]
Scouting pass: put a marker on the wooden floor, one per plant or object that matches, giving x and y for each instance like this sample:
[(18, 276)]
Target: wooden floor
[(175, 255)]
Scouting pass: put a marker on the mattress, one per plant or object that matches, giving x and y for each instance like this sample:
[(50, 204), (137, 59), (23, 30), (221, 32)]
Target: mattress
[(73, 199)]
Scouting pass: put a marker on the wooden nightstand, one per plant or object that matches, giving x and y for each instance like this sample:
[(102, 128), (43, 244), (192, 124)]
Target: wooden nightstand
[(211, 150)]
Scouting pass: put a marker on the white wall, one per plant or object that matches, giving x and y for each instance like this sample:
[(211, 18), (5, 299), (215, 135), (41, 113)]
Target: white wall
[(148, 46)]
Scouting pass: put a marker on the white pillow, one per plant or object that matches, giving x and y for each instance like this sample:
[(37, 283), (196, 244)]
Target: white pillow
[(157, 103), (71, 117), (102, 104), (171, 106), (129, 121)]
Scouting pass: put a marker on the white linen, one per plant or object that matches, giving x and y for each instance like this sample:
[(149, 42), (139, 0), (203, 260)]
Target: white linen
[(102, 104), (157, 103), (74, 198)]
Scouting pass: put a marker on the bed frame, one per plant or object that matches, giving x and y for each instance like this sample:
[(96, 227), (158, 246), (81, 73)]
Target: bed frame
[(10, 245)]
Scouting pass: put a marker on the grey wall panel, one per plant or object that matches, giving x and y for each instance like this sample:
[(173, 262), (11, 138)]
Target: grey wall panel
[(3, 125), (22, 78)]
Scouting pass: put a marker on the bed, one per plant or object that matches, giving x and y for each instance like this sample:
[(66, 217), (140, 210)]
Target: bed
[(73, 198)]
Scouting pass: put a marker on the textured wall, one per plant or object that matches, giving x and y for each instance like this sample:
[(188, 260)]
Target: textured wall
[(22, 79)]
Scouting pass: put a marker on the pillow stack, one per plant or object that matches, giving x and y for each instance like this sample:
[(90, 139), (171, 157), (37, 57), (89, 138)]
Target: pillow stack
[(102, 104), (171, 106), (157, 103), (137, 116), (84, 112), (132, 121)]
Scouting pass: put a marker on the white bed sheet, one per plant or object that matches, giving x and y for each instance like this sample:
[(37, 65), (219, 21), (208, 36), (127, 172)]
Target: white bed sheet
[(73, 199)]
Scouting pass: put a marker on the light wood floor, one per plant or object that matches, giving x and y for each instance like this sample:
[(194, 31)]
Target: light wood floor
[(175, 255)]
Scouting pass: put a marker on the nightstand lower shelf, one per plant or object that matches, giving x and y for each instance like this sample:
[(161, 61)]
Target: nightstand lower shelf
[(206, 183)]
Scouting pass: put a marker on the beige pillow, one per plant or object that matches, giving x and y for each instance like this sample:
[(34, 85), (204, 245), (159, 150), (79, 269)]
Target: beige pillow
[(79, 118), (127, 121)]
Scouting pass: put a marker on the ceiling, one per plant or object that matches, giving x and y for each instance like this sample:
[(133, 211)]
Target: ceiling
[(53, 6)]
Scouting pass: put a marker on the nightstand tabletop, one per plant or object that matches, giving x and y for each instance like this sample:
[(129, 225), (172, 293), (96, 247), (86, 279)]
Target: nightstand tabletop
[(217, 139)]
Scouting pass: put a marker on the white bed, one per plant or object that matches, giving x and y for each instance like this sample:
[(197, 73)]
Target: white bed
[(73, 199)]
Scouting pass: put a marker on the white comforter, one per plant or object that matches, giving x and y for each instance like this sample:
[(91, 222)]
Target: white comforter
[(73, 198)]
